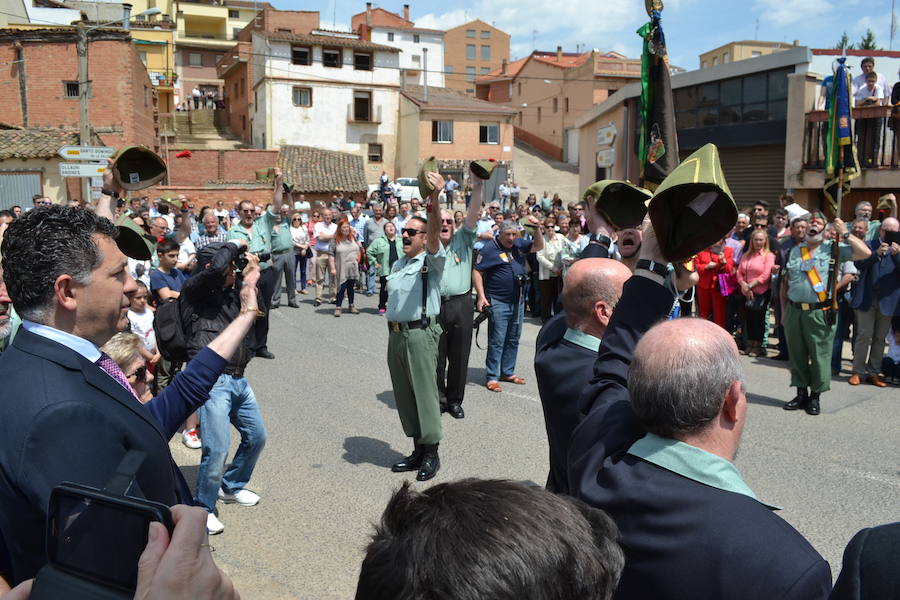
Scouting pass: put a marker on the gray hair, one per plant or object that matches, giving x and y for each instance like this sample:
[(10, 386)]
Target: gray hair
[(681, 392), (124, 348), (508, 225)]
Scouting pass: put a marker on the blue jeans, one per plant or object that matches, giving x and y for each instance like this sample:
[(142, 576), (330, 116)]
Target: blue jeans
[(231, 401), (504, 330), (371, 278), (300, 261)]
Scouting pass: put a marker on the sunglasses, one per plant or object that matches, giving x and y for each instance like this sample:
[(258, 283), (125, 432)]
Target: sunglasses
[(760, 225), (447, 221), (140, 374), (411, 232)]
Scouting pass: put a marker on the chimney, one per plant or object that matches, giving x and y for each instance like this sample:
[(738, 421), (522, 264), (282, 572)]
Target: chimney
[(126, 15), (406, 12), (559, 54), (796, 42), (503, 67)]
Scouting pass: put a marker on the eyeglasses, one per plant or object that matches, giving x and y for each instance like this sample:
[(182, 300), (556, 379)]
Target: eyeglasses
[(140, 374), (411, 232), (447, 221)]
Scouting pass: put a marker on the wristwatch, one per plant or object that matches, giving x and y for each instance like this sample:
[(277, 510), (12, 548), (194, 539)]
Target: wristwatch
[(661, 269), (111, 193), (601, 239)]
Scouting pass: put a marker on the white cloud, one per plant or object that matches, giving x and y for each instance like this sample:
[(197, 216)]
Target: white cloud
[(445, 21), (782, 14)]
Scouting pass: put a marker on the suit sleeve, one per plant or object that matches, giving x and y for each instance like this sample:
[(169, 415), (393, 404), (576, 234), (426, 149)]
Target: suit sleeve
[(188, 391), (595, 250)]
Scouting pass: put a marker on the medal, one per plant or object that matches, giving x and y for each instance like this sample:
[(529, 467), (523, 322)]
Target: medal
[(806, 265), (819, 287)]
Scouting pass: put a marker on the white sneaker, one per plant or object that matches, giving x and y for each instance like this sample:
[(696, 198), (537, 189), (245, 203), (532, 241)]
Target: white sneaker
[(213, 524), (242, 497), (191, 439)]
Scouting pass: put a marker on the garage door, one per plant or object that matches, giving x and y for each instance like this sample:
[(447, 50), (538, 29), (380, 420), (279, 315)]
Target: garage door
[(18, 188), (753, 173)]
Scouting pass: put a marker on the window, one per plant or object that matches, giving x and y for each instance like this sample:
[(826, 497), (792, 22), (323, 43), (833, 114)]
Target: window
[(470, 73), (485, 34), (726, 58), (417, 59), (519, 85), (415, 38), (375, 153), (195, 59), (244, 122), (539, 114), (752, 98), (448, 69), (715, 60), (566, 105), (143, 56), (485, 70), (390, 36), (362, 61), (442, 132), (242, 88), (485, 53), (470, 33), (302, 96), (146, 96), (611, 91), (470, 51), (219, 57), (755, 53), (470, 90), (489, 134), (331, 57), (284, 29), (362, 106), (556, 105), (234, 14), (235, 31), (703, 65), (301, 55), (140, 18)]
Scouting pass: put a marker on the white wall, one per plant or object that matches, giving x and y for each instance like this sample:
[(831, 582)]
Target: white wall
[(409, 49), (46, 16)]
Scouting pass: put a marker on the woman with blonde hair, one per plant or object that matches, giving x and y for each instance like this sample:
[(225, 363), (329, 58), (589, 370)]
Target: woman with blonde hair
[(754, 275)]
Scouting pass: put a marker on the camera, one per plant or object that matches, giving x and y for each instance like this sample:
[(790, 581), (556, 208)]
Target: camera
[(522, 279), (483, 316), (240, 262)]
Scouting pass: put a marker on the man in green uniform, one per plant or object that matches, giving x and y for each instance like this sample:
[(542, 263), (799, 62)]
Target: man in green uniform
[(806, 300), (283, 259), (412, 313), (457, 306), (258, 235)]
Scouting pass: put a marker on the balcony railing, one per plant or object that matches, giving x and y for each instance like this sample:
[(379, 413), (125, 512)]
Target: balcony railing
[(877, 139), (167, 124)]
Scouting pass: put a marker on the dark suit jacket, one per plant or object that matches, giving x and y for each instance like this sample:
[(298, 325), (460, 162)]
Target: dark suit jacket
[(879, 281), (870, 565), (682, 538), (63, 418), (563, 370)]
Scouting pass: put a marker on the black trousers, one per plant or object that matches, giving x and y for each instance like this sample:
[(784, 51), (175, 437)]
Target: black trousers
[(268, 279), (454, 346)]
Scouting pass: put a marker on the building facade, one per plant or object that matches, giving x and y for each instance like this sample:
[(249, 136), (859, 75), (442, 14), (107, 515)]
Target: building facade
[(471, 50), (734, 51)]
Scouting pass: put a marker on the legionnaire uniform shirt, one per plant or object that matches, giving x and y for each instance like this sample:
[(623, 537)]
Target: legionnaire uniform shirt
[(457, 277)]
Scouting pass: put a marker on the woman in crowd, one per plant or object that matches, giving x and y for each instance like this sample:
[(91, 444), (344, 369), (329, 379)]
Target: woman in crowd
[(556, 202), (754, 276), (458, 218), (126, 350), (549, 268), (314, 218), (382, 254), (300, 238), (343, 264), (716, 260), (390, 213)]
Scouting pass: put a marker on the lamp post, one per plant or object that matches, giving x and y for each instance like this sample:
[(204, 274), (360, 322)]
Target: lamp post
[(84, 128)]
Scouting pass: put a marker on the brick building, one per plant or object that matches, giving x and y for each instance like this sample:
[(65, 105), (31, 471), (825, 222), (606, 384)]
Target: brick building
[(472, 49)]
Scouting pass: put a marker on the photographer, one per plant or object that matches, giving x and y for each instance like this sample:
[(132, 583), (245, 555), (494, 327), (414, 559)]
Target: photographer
[(213, 296), (499, 279)]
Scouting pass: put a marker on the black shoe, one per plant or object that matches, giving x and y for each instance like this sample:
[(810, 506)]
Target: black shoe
[(799, 401), (275, 306), (293, 304), (264, 353), (812, 408), (456, 410), (410, 463), (430, 463), (780, 356)]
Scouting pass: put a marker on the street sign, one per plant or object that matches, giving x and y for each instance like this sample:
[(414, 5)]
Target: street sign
[(606, 135), (606, 158), (81, 169), (86, 152)]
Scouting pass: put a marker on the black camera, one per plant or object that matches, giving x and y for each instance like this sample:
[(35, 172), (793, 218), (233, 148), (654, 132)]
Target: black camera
[(483, 316), (240, 261), (523, 279)]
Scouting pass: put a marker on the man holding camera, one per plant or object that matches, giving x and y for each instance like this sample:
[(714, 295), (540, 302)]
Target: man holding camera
[(499, 279)]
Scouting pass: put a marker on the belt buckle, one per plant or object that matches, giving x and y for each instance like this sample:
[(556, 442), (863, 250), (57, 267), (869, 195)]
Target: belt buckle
[(805, 306), (394, 326)]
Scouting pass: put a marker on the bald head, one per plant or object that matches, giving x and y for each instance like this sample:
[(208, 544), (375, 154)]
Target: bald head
[(589, 282), (681, 373), (888, 225)]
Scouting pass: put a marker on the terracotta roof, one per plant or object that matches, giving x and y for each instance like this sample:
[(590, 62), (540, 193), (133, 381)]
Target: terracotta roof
[(313, 170), (512, 69), (325, 40), (443, 99), (567, 61), (382, 18), (35, 143), (248, 4)]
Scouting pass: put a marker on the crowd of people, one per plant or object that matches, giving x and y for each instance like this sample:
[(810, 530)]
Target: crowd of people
[(644, 409)]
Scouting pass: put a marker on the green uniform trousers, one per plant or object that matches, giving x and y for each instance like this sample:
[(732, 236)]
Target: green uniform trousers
[(809, 340), (412, 360)]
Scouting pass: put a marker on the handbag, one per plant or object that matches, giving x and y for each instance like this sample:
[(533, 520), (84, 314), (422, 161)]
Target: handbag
[(757, 303), (309, 253), (727, 283)]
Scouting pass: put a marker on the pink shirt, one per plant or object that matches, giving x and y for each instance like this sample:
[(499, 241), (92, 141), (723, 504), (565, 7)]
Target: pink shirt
[(756, 267)]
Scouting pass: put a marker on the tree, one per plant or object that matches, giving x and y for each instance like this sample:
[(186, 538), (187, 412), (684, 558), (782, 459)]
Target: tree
[(844, 43), (868, 41)]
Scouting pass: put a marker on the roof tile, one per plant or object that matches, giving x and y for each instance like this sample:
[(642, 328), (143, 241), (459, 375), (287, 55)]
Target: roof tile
[(311, 170), (35, 143)]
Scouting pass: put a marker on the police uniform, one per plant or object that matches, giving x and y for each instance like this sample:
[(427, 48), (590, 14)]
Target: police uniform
[(456, 318), (504, 275), (808, 332), (412, 344)]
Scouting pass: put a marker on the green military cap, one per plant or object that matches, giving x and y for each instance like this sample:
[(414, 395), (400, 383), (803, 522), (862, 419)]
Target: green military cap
[(132, 240), (622, 204), (693, 207), (138, 167), (482, 169), (425, 187)]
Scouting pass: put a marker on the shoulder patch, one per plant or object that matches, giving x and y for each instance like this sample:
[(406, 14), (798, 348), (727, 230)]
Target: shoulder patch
[(480, 258)]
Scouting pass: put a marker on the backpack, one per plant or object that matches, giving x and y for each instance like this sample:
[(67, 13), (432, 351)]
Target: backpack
[(172, 324)]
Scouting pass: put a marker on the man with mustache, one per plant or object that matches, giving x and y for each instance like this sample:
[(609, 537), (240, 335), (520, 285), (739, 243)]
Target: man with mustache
[(805, 301)]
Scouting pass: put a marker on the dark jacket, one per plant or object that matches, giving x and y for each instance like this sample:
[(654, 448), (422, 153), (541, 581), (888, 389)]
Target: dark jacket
[(682, 538), (879, 281), (870, 565)]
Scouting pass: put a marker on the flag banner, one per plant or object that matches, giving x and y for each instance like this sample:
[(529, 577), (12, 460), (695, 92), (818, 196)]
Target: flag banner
[(841, 162)]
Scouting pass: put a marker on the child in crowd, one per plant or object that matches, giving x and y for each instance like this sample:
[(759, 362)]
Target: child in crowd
[(140, 316)]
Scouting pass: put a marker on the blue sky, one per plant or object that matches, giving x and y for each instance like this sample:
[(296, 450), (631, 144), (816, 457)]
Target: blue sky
[(692, 26)]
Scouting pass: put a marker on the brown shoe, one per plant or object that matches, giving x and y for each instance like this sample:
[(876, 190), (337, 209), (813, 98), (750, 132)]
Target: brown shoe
[(494, 386), (513, 379), (353, 310), (854, 379), (876, 381)]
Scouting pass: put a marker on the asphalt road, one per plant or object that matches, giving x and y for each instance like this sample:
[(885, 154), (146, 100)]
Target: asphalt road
[(324, 475)]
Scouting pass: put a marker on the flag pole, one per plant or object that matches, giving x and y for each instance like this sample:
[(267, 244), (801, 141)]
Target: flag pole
[(840, 192)]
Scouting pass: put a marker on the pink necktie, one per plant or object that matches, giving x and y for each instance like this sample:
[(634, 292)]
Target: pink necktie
[(112, 369)]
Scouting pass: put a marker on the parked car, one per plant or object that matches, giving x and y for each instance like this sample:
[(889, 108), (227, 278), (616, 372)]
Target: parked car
[(409, 188)]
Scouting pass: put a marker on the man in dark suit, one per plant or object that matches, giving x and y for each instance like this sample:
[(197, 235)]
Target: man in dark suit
[(67, 414), (870, 565), (663, 421), (566, 351)]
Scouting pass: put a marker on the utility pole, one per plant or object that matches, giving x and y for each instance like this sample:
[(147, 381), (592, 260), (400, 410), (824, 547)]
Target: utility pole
[(84, 127)]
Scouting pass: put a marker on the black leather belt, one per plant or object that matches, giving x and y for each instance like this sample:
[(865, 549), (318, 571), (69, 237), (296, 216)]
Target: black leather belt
[(279, 252), (395, 326), (449, 298), (811, 305)]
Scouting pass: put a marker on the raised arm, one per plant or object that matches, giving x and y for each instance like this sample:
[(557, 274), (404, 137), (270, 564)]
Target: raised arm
[(859, 247), (278, 196), (433, 235), (475, 203)]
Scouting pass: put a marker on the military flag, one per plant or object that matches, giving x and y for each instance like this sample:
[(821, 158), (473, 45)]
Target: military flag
[(658, 143), (841, 162)]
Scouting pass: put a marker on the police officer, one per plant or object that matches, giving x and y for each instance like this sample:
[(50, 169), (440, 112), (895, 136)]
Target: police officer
[(414, 331), (499, 279), (457, 308), (805, 300)]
